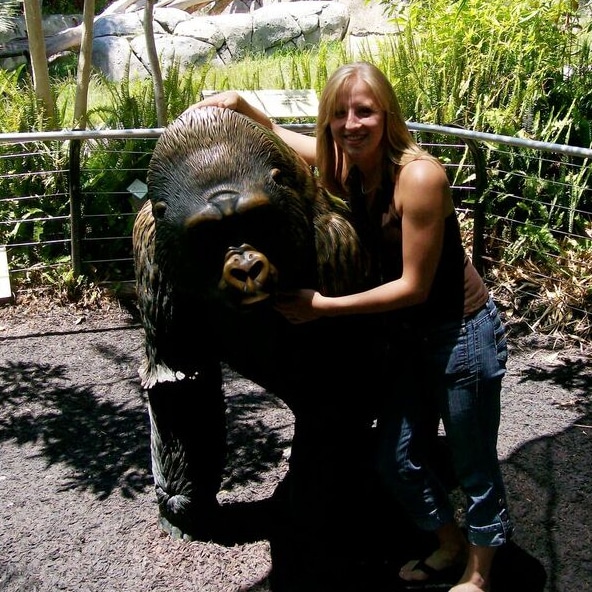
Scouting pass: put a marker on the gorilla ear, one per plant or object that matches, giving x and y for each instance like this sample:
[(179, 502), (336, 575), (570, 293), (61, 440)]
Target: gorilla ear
[(276, 175)]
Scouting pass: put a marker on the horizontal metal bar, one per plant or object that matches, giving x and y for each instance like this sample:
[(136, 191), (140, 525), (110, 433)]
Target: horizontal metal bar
[(304, 128)]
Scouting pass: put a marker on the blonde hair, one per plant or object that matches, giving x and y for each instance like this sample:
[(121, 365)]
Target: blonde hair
[(399, 145)]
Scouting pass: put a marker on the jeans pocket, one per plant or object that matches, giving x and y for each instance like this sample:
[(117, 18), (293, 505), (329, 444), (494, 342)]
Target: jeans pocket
[(448, 349)]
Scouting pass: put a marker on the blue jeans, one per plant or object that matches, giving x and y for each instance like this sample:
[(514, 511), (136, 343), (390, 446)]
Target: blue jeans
[(453, 372)]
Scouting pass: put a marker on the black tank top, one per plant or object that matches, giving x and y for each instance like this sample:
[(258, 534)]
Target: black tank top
[(457, 290)]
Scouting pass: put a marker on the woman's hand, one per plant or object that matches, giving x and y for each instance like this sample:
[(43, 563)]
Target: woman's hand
[(300, 306), (229, 99)]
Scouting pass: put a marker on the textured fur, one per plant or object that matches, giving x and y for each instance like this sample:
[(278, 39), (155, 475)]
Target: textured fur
[(223, 191)]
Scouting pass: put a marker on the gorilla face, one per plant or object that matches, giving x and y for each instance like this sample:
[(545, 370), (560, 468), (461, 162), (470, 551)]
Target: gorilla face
[(236, 206)]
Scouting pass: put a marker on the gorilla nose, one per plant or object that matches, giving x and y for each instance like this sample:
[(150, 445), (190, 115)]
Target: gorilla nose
[(248, 273)]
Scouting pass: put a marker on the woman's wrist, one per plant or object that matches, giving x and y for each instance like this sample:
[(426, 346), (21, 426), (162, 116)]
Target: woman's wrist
[(324, 306), (243, 106)]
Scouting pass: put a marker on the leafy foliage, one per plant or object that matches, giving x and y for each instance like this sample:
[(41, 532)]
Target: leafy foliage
[(485, 64), (512, 68)]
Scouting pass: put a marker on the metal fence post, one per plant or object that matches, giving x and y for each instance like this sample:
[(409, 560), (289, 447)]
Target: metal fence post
[(479, 208), (74, 189)]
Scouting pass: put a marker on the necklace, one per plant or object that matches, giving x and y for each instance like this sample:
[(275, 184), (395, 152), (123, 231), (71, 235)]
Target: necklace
[(368, 191)]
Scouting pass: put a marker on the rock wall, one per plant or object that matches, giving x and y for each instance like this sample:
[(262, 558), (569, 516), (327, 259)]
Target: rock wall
[(183, 38)]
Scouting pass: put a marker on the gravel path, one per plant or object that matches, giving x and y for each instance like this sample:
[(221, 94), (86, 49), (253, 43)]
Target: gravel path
[(77, 509)]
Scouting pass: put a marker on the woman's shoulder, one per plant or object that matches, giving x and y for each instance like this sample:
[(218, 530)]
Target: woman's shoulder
[(423, 169)]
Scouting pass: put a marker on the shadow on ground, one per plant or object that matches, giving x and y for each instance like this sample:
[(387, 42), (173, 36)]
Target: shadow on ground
[(79, 406)]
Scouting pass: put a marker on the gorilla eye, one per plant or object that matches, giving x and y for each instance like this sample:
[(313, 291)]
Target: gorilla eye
[(158, 209)]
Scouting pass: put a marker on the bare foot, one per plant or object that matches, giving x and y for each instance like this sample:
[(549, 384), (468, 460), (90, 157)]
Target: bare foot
[(469, 587), (452, 552), (476, 576)]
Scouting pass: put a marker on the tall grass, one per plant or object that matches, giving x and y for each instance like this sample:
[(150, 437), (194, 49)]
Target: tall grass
[(490, 65)]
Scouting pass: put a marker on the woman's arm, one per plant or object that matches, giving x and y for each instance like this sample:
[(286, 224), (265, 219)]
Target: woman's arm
[(304, 145)]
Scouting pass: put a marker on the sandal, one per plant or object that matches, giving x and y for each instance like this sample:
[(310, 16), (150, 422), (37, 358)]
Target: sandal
[(436, 578)]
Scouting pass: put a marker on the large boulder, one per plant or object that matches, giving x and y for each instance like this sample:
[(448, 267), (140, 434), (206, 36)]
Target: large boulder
[(191, 32)]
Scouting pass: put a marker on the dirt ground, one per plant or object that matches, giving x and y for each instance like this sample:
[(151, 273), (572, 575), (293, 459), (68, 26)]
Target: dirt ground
[(78, 512)]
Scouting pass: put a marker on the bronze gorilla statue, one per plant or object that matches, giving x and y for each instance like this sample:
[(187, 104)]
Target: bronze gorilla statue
[(235, 217)]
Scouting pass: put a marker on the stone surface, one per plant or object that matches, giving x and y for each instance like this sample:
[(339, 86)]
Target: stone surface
[(198, 38)]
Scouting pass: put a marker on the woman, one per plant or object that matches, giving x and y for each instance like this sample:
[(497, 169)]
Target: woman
[(447, 342)]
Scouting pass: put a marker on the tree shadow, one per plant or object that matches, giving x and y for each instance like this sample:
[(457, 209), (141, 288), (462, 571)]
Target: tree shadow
[(102, 443), (573, 374), (259, 432), (99, 431), (549, 482), (104, 440), (549, 479)]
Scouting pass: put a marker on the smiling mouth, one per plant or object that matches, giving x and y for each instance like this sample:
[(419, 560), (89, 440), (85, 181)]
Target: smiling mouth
[(354, 139)]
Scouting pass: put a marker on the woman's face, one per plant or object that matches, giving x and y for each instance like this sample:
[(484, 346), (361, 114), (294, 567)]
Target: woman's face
[(357, 125)]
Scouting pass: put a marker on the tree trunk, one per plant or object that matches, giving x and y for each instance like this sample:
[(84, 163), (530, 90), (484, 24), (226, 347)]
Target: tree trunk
[(161, 110), (84, 64), (37, 52)]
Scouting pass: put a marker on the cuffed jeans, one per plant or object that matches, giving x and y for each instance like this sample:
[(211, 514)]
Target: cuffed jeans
[(453, 371)]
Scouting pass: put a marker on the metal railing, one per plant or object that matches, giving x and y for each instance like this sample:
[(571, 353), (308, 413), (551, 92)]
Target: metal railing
[(494, 178)]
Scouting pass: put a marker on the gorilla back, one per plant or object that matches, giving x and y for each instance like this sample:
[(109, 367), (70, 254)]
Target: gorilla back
[(235, 217)]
